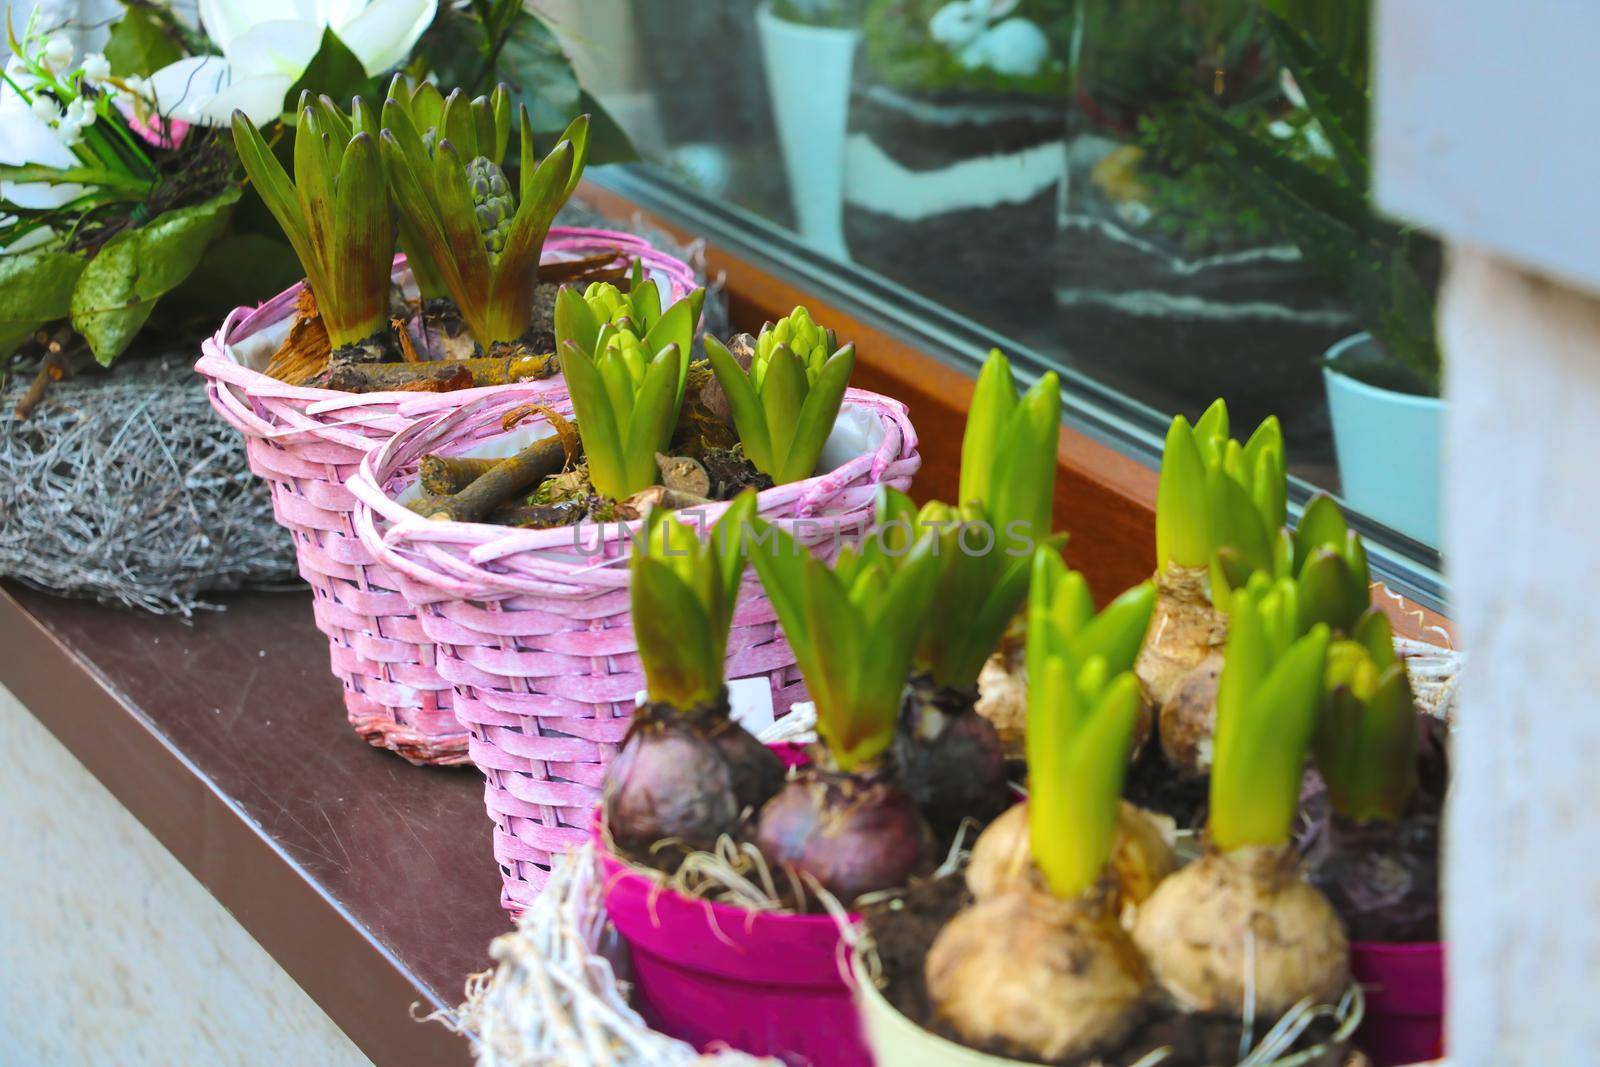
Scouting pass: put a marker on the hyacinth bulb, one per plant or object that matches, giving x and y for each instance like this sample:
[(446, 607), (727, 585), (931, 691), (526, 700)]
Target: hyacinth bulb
[(1241, 928), (1038, 976), (492, 201), (1002, 857)]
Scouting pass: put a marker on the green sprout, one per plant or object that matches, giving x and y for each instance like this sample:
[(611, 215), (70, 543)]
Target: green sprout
[(785, 405), (1268, 701), (683, 592), (463, 229), (625, 362), (336, 213), (1216, 494), (1008, 451), (604, 316), (1330, 566), (853, 628), (978, 590), (985, 545), (480, 128), (1325, 558), (1366, 740), (1083, 704)]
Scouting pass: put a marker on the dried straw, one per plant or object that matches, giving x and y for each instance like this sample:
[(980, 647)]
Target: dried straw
[(127, 488), (554, 999)]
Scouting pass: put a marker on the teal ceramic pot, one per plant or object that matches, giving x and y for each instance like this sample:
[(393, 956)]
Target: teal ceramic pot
[(1388, 446)]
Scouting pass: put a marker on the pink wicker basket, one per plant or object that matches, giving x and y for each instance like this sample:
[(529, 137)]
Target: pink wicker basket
[(533, 628), (305, 443)]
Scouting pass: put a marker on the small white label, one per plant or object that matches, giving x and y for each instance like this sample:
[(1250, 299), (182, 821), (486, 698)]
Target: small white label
[(751, 701)]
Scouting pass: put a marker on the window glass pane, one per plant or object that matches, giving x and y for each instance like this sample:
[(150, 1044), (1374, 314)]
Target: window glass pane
[(1134, 189)]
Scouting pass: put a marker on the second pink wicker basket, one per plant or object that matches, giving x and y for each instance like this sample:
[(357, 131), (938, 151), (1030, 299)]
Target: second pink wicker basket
[(532, 626), (305, 443)]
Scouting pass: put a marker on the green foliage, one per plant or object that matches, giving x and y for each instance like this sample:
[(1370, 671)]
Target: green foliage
[(480, 128), (636, 313), (1330, 566), (786, 404), (118, 289), (1268, 701), (1083, 702), (141, 44), (1218, 496), (1366, 739), (486, 42), (138, 220), (626, 362), (1330, 217), (493, 289), (985, 545), (1149, 66), (336, 213), (982, 579), (1325, 559), (1008, 450), (35, 289), (683, 593), (902, 54), (853, 628)]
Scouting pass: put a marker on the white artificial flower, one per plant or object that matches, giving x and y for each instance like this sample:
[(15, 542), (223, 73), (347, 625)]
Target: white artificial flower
[(267, 44), (57, 54), (96, 68), (136, 86), (26, 138), (80, 113), (44, 109)]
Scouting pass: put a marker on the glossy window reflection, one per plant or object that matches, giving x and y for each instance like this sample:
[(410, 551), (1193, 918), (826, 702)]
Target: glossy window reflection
[(1167, 197)]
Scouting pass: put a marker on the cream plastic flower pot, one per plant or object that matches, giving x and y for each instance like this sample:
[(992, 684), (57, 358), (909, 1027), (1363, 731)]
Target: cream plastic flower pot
[(811, 123), (896, 1041)]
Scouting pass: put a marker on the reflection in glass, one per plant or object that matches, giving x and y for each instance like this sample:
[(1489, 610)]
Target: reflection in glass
[(1050, 169)]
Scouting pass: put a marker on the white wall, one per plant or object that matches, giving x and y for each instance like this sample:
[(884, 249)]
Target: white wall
[(1487, 118), (1523, 870), (111, 953)]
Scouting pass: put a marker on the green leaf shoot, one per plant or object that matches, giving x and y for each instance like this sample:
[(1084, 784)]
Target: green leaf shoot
[(684, 589), (346, 256), (853, 628), (785, 405), (1268, 701), (1083, 703)]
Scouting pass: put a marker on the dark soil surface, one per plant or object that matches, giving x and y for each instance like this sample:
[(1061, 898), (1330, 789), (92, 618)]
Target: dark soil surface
[(904, 929), (1156, 787)]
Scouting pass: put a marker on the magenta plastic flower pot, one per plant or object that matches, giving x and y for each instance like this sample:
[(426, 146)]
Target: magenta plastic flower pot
[(1404, 984), (708, 973)]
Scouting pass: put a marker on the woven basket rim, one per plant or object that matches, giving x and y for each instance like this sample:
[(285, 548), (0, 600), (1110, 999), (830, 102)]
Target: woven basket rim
[(453, 554), (218, 364)]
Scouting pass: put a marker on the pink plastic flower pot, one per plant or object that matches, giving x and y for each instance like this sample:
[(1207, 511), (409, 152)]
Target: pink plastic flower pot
[(709, 973), (1405, 1000)]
